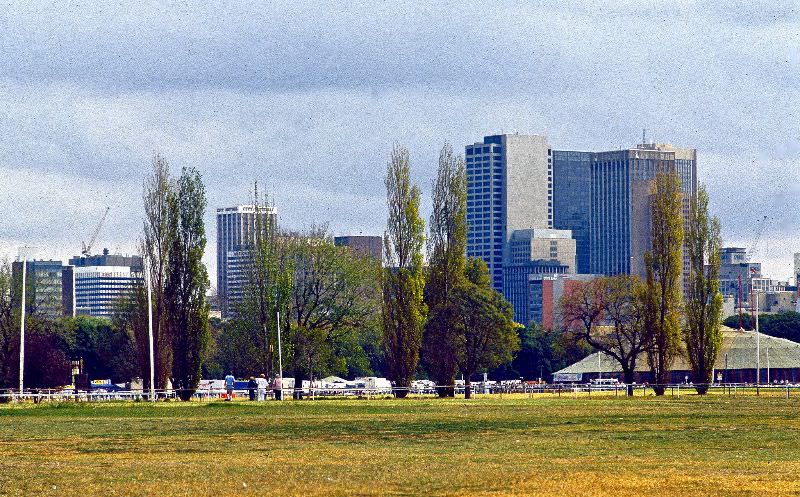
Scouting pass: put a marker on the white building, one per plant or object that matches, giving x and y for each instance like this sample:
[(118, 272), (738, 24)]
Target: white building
[(235, 233), (94, 284)]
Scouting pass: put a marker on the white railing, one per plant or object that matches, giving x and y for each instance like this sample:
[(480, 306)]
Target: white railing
[(478, 390)]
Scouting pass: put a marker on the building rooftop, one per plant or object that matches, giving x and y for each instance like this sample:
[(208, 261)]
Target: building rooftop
[(739, 346)]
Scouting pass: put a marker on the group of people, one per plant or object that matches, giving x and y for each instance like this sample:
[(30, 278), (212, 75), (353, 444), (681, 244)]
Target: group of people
[(257, 387)]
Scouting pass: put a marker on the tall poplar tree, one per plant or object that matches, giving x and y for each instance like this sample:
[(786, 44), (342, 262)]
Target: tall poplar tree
[(447, 242), (187, 281), (403, 279), (155, 246), (663, 264), (703, 336)]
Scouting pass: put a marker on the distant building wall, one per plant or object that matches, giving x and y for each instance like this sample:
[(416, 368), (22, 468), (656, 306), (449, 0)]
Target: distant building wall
[(364, 245)]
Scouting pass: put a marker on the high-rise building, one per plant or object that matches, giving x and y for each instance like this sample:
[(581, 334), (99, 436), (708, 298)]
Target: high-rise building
[(620, 203), (236, 233), (364, 245), (509, 187), (92, 285), (572, 183), (734, 270), (533, 254), (43, 287), (603, 198)]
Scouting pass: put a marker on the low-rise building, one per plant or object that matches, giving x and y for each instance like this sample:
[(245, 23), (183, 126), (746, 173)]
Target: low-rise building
[(736, 362)]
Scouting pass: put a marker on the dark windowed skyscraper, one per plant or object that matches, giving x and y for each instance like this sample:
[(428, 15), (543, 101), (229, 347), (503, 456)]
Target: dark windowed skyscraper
[(620, 203), (572, 184), (43, 287)]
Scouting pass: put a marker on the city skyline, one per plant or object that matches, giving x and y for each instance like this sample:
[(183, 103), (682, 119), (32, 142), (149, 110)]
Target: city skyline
[(86, 100)]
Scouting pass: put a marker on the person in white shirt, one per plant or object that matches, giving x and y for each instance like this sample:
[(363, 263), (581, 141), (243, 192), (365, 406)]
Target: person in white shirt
[(261, 382)]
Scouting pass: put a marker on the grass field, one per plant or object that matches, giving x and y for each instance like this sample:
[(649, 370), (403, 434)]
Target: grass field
[(515, 446)]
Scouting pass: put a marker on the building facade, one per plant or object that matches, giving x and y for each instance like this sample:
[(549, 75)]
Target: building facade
[(43, 287), (509, 187), (533, 254), (572, 183), (797, 272), (236, 230), (517, 182), (365, 245), (620, 203), (92, 285)]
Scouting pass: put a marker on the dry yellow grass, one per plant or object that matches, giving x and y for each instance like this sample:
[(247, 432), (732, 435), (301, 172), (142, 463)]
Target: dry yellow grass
[(515, 446)]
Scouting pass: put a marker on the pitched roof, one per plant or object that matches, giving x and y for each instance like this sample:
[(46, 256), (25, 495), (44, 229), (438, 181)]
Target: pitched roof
[(739, 346)]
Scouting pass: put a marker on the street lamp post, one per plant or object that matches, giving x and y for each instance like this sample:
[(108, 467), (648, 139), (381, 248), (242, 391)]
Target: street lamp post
[(758, 340), (280, 357), (150, 332), (22, 329)]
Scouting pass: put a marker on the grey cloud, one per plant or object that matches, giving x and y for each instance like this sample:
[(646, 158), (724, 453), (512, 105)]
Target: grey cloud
[(309, 98)]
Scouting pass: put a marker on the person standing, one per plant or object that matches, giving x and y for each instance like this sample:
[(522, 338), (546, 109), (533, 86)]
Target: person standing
[(261, 383), (229, 382), (251, 389)]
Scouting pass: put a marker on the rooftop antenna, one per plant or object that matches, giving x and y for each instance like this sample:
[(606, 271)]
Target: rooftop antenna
[(644, 141)]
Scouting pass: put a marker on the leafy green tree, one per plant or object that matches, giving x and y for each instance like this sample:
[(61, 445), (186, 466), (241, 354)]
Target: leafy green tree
[(447, 242), (541, 353), (108, 351), (9, 327), (663, 266), (334, 296), (403, 279), (781, 325), (47, 365), (703, 336), (484, 324), (269, 287), (187, 281)]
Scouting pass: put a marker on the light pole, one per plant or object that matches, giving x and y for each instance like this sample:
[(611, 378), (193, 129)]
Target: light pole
[(280, 357), (758, 339), (150, 331), (22, 328)]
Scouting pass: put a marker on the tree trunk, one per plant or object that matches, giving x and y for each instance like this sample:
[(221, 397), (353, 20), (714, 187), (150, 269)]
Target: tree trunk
[(299, 376), (446, 391), (467, 388), (401, 389), (627, 376)]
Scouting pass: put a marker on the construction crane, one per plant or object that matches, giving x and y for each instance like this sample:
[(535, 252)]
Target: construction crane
[(87, 247), (759, 231)]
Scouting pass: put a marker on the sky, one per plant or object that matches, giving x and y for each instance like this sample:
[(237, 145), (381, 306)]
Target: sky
[(308, 98)]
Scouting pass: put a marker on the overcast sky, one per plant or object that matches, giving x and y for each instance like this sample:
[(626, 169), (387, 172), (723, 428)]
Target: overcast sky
[(308, 99)]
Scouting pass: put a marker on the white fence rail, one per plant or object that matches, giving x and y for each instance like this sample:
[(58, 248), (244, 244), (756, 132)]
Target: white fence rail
[(478, 390)]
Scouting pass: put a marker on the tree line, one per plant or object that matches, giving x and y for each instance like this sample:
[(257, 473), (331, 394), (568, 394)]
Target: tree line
[(425, 311), (629, 318)]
